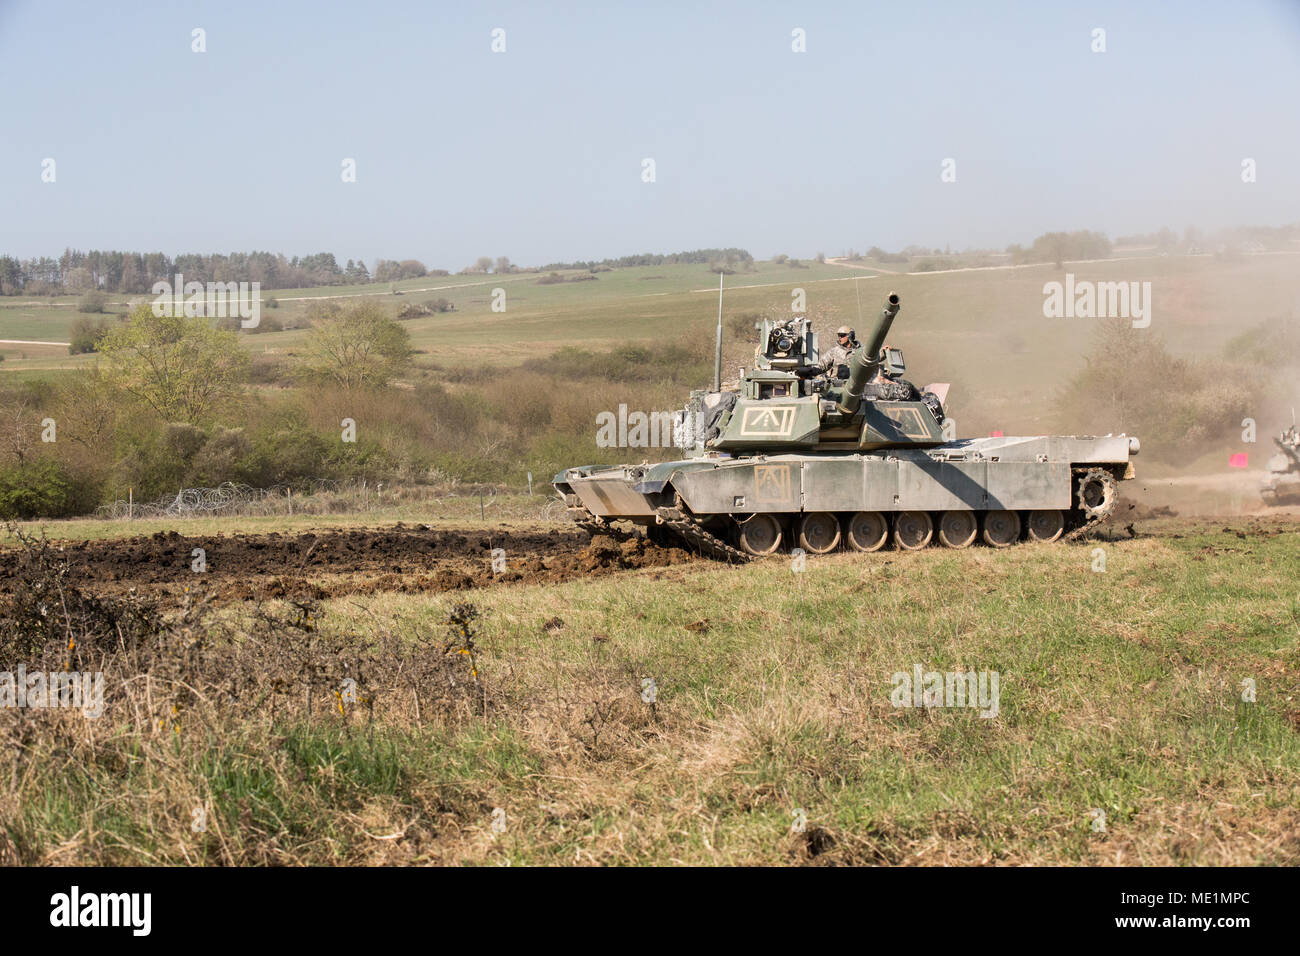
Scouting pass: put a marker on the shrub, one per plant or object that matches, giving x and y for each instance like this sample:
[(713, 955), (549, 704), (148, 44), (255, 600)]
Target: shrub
[(86, 335), (36, 489), (1132, 384), (285, 450), (357, 346), (413, 310), (92, 302), (220, 458)]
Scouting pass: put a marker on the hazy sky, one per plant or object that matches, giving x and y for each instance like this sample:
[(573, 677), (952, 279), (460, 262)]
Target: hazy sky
[(536, 153)]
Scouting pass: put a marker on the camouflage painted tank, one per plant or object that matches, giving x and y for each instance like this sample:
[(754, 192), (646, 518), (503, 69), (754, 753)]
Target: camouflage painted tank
[(851, 459), (1282, 486)]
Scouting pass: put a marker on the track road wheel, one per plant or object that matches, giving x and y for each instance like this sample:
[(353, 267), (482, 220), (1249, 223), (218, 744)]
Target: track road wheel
[(819, 533), (1001, 528), (1045, 526), (913, 530), (957, 529), (760, 535), (868, 531)]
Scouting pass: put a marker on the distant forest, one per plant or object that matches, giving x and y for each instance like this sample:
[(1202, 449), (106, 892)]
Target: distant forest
[(133, 273), (136, 272), (710, 257)]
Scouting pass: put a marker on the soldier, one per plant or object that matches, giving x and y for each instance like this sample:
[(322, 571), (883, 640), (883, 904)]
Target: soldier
[(839, 354)]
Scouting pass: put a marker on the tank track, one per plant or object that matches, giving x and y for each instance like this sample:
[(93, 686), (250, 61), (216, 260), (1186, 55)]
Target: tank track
[(699, 540), (704, 543), (1084, 528), (593, 525), (1093, 517)]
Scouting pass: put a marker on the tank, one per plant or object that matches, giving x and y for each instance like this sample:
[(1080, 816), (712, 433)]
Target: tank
[(1282, 486), (795, 455)]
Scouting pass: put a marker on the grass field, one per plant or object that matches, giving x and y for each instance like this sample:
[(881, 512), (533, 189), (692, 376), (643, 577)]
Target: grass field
[(463, 510), (771, 738), (982, 331)]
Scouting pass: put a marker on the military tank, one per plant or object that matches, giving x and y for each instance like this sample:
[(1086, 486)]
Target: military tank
[(853, 457), (1282, 486)]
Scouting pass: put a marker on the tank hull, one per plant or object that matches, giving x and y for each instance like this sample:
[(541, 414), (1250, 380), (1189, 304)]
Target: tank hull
[(1030, 474), (1282, 490)]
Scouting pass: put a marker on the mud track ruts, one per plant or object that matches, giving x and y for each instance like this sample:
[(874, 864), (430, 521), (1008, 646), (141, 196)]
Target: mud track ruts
[(333, 563)]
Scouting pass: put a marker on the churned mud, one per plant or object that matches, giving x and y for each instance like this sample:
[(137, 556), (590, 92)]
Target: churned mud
[(328, 564), (413, 559)]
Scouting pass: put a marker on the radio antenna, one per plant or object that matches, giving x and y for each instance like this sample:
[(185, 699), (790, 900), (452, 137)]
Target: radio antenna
[(858, 293), (717, 348)]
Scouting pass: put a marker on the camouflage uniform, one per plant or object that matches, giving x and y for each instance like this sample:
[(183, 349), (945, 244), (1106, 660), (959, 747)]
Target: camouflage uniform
[(836, 356)]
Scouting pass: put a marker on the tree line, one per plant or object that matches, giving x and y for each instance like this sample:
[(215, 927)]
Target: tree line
[(134, 273), (729, 256)]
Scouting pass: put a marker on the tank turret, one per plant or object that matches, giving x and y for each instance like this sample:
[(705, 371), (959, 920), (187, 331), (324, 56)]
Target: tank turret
[(785, 402), (1282, 486)]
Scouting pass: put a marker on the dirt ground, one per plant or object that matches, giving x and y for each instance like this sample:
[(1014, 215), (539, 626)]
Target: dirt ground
[(318, 565), (328, 564)]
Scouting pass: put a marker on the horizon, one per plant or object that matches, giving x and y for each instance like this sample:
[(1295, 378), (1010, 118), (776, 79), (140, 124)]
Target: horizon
[(931, 251)]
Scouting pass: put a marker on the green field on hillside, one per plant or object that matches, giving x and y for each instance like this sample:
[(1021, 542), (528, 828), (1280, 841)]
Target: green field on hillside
[(983, 331)]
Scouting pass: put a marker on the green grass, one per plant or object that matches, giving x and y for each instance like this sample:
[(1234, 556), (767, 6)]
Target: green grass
[(1119, 691), (984, 332), (461, 511)]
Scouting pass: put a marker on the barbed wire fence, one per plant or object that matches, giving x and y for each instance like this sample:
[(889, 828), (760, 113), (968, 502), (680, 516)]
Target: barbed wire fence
[(320, 495), (226, 497)]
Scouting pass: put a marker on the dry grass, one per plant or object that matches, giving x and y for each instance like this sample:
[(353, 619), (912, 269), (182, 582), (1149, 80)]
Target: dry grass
[(1120, 692), (436, 507)]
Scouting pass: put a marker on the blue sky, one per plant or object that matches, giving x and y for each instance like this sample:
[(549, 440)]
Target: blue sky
[(536, 153)]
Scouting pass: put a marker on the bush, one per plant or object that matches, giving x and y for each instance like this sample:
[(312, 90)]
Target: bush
[(413, 310), (1132, 384), (682, 364), (92, 302), (86, 335), (284, 449), (357, 346), (220, 459), (234, 324), (37, 489), (270, 370), (1274, 343)]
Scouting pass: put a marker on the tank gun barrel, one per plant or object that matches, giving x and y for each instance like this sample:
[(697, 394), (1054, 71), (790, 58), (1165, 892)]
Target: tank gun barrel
[(865, 362)]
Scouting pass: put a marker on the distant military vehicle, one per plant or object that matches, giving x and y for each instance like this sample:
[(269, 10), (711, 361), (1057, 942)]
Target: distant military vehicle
[(791, 457), (1282, 486)]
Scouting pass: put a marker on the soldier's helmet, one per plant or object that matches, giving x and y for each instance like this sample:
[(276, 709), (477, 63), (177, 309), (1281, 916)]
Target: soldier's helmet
[(843, 331)]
